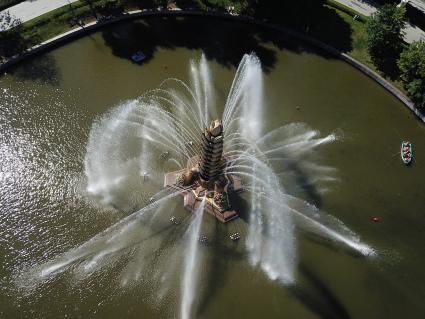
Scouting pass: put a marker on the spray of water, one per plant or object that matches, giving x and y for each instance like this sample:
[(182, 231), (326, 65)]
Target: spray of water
[(111, 241), (191, 263), (131, 147)]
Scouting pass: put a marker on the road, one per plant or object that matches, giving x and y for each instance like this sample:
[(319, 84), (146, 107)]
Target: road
[(31, 9), (362, 7), (367, 8)]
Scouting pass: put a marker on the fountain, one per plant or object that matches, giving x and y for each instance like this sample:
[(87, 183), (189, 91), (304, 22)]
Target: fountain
[(205, 179), (170, 132)]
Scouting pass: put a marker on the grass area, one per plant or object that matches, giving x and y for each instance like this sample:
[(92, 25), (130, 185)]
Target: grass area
[(359, 39), (347, 10), (57, 21), (358, 35)]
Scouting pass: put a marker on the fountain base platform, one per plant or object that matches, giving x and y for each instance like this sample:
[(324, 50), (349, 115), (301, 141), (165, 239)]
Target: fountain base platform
[(197, 190)]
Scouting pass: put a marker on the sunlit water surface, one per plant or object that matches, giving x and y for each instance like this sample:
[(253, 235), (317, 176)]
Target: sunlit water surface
[(50, 207)]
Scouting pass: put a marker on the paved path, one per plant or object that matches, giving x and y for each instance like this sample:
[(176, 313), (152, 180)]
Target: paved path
[(31, 9), (363, 7), (413, 33)]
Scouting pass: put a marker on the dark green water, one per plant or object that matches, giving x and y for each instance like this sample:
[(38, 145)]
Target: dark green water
[(48, 105)]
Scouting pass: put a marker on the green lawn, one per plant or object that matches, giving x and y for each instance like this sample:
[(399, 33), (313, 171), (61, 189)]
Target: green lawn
[(57, 21), (358, 35), (359, 39)]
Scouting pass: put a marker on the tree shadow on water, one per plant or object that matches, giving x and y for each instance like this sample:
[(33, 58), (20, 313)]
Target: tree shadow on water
[(218, 42), (222, 41), (42, 68), (310, 17), (333, 30)]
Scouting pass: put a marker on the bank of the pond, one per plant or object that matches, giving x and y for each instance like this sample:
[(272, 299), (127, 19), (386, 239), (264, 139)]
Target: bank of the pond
[(131, 15)]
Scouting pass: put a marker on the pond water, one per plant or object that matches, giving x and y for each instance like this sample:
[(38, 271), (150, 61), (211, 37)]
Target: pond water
[(49, 104)]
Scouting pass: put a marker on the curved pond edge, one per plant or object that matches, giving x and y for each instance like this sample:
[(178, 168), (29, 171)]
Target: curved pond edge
[(132, 15)]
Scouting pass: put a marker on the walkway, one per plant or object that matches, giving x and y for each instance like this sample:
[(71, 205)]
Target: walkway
[(362, 7), (31, 9), (367, 8)]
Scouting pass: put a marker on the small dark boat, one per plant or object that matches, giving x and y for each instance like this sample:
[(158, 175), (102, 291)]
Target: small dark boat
[(406, 152), (235, 236)]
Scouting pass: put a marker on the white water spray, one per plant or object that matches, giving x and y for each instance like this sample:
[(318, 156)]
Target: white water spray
[(191, 263), (161, 129), (242, 113), (112, 240)]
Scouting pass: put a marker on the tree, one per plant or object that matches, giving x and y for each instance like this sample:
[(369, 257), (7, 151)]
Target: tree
[(91, 6), (161, 3), (7, 21), (11, 41), (412, 72), (298, 14), (385, 37)]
